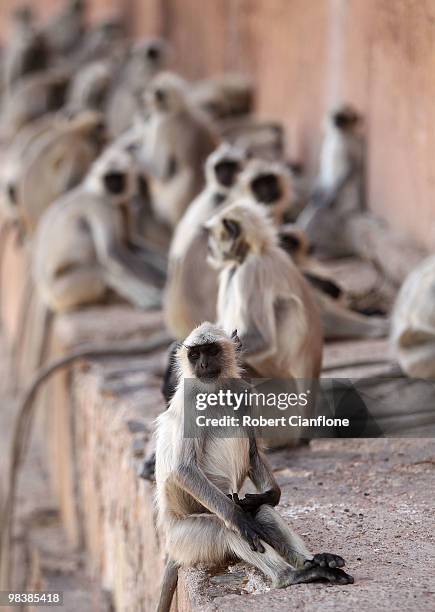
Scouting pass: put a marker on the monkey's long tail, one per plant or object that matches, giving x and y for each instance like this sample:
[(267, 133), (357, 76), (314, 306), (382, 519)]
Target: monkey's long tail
[(169, 584), (23, 423)]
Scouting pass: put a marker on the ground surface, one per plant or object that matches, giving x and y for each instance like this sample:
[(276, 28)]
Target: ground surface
[(371, 501)]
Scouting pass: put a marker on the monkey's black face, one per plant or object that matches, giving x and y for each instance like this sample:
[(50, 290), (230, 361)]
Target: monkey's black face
[(153, 53), (344, 120), (206, 360), (266, 188), (115, 182), (12, 194), (161, 98), (226, 172)]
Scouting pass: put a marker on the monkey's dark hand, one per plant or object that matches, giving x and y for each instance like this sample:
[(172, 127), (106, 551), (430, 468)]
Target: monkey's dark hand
[(252, 501), (325, 560), (249, 530)]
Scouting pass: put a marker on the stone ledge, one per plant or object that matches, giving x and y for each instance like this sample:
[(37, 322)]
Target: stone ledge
[(338, 494)]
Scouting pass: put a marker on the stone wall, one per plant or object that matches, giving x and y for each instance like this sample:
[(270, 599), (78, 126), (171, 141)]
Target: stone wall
[(306, 55)]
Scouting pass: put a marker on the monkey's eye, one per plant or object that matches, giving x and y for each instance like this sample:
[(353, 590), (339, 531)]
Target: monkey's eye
[(153, 53), (213, 350), (194, 354)]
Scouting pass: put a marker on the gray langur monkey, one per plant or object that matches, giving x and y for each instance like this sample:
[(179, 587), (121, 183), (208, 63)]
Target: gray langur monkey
[(191, 289), (91, 85), (339, 321), (198, 481), (31, 98), (264, 296), (413, 322), (13, 163), (28, 50), (339, 191), (82, 242), (65, 31), (102, 40), (57, 162), (145, 59), (177, 141), (268, 183)]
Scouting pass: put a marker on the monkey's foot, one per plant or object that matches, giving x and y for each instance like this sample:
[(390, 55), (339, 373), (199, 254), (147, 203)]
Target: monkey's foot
[(325, 560), (333, 575), (148, 468)]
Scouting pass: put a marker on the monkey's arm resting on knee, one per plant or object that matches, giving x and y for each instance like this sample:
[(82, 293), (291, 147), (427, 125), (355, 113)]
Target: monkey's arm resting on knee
[(192, 479)]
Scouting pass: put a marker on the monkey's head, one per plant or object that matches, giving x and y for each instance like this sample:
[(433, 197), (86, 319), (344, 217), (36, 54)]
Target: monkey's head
[(294, 241), (268, 183), (147, 57), (223, 167), (208, 353), (113, 175), (345, 118), (77, 6), (23, 15), (238, 231), (166, 94)]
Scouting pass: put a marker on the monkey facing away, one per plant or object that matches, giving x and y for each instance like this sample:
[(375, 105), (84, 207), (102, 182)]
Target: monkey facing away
[(145, 59), (339, 191), (177, 141), (263, 295), (198, 481), (57, 162), (191, 290), (81, 243), (413, 322), (28, 51), (31, 98), (66, 30)]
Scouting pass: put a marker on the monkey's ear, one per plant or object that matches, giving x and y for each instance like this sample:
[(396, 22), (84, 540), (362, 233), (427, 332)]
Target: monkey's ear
[(235, 338), (232, 227)]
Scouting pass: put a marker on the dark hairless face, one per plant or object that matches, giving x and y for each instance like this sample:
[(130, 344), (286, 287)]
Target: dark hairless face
[(226, 172), (345, 119), (206, 360), (266, 188), (153, 53), (12, 193), (115, 182)]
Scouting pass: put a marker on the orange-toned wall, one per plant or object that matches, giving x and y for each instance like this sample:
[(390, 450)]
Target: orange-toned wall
[(306, 55)]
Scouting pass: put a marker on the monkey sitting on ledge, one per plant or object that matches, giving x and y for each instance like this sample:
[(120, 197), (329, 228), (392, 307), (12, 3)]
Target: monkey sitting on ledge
[(198, 482)]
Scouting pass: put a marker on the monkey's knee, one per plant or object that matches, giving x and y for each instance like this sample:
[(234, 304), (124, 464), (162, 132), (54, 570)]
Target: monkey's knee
[(196, 539), (80, 288)]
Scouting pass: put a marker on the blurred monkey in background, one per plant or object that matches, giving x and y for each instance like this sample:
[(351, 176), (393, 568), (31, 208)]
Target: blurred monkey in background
[(339, 191)]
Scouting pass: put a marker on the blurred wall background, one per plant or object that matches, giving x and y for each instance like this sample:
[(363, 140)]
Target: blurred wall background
[(306, 55)]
